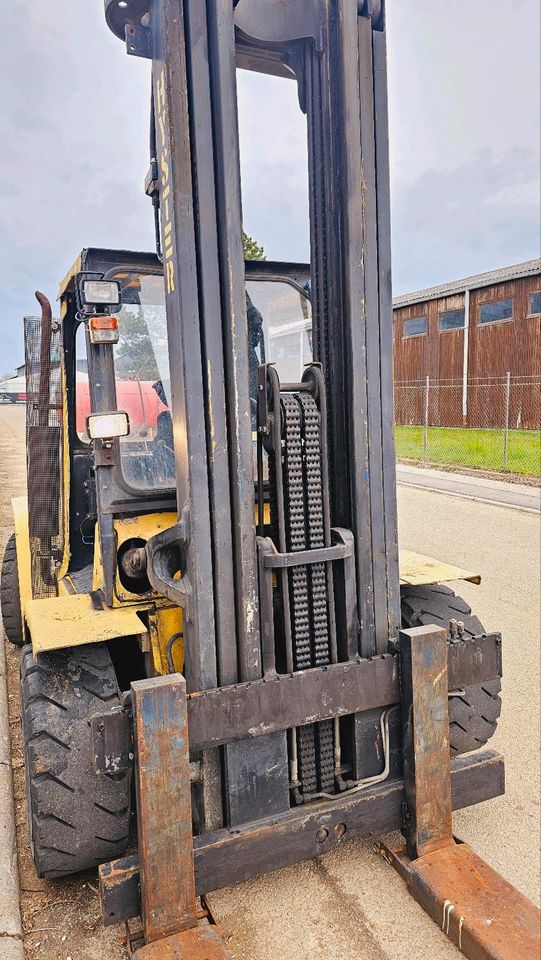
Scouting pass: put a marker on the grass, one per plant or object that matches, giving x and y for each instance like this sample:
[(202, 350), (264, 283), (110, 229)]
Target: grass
[(483, 449)]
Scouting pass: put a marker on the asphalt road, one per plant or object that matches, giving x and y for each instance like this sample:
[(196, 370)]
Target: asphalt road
[(349, 905)]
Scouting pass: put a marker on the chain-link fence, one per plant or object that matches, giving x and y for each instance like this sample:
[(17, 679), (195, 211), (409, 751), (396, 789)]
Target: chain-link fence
[(490, 424)]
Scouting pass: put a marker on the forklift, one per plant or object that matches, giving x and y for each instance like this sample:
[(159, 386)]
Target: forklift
[(217, 629)]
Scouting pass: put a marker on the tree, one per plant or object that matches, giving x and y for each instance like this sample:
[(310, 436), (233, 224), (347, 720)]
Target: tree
[(252, 249), (135, 354)]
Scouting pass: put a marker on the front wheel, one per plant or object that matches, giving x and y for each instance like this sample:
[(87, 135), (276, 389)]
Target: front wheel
[(474, 710), (77, 818)]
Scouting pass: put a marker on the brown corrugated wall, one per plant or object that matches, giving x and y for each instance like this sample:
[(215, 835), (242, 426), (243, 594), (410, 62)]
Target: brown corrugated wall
[(495, 349)]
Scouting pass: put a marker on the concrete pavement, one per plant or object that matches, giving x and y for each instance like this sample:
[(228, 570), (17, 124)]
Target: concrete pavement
[(477, 488)]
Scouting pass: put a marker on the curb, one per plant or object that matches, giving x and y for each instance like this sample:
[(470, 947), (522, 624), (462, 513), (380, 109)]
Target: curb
[(533, 511), (11, 943)]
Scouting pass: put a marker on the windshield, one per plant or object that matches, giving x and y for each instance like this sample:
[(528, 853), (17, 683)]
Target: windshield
[(279, 326), (142, 382)]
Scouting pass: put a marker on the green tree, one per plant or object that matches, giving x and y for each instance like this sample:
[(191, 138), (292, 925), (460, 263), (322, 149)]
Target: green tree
[(252, 249), (134, 355)]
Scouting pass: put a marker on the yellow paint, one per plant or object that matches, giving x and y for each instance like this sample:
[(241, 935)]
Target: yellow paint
[(97, 568), (418, 570), (22, 540), (66, 587), (70, 621), (266, 514), (164, 624), (142, 528), (72, 272)]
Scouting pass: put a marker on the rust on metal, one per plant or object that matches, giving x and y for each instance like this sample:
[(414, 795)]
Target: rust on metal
[(484, 915), (120, 891), (197, 943), (425, 717), (232, 856), (246, 710), (164, 810)]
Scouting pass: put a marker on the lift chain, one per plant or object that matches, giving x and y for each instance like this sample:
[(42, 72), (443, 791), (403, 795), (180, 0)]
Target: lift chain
[(307, 584)]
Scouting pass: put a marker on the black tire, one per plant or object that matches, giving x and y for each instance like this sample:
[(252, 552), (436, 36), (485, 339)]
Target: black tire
[(77, 818), (10, 596), (473, 714)]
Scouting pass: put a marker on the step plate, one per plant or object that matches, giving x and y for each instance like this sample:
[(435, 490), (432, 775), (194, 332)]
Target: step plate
[(483, 914), (197, 943)]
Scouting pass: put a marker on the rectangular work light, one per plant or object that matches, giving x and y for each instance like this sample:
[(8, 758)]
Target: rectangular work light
[(107, 426), (101, 293)]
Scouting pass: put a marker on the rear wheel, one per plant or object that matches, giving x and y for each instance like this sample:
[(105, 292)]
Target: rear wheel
[(10, 596), (474, 710), (77, 818)]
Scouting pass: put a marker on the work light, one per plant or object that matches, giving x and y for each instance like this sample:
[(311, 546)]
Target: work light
[(107, 426), (101, 293)]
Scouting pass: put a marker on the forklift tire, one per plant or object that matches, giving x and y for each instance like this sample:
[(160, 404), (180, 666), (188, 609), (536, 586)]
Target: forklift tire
[(474, 712), (77, 819), (10, 597)]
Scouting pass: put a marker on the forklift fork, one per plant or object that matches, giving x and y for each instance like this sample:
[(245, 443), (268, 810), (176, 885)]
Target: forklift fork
[(170, 915), (483, 914)]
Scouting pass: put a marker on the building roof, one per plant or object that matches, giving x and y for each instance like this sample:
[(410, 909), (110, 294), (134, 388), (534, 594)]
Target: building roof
[(527, 269)]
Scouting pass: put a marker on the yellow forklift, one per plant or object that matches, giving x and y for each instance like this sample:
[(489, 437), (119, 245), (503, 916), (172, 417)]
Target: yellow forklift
[(217, 630)]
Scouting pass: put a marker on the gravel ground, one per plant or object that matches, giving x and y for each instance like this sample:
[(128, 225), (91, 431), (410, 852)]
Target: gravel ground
[(348, 904)]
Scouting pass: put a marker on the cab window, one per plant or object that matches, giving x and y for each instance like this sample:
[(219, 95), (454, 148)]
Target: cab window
[(142, 379)]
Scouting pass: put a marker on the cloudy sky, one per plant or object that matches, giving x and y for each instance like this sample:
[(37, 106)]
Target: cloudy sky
[(464, 132)]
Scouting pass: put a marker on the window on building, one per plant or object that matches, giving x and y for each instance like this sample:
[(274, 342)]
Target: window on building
[(534, 303), (415, 327), (452, 319), (496, 310)]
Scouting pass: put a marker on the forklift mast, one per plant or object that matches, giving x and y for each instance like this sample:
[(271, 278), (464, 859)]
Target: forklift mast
[(335, 52)]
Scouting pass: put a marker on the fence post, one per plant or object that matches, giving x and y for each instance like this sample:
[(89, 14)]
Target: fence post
[(506, 430), (425, 435)]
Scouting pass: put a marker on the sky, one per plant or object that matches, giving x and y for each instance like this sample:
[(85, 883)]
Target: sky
[(464, 106)]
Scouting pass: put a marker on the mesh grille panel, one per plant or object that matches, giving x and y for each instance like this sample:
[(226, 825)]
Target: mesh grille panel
[(43, 350)]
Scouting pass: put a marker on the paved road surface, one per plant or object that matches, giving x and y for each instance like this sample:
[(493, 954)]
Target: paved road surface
[(349, 905), (478, 488)]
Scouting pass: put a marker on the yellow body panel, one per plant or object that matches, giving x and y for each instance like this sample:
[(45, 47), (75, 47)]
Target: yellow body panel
[(70, 621), (141, 528), (22, 539), (416, 570), (128, 528), (165, 624)]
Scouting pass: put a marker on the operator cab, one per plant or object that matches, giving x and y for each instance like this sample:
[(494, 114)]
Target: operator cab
[(132, 375)]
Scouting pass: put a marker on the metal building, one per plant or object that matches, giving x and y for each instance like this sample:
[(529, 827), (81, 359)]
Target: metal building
[(481, 330)]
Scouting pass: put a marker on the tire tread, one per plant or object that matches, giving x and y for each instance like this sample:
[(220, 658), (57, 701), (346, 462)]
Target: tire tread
[(473, 714), (10, 599), (77, 818)]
